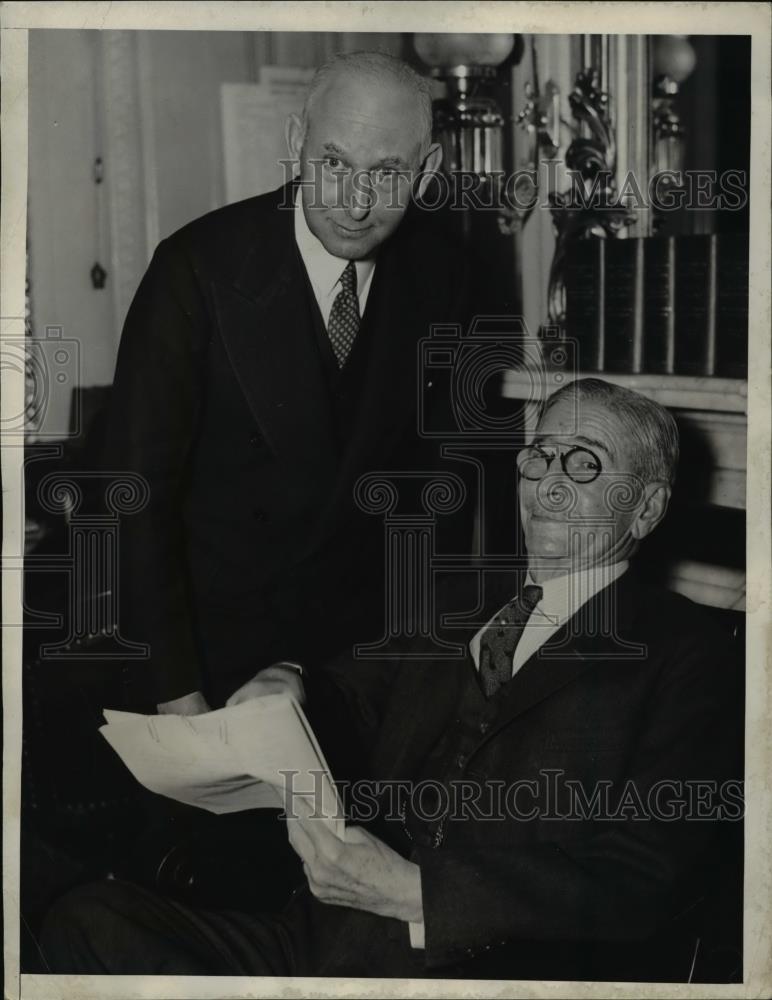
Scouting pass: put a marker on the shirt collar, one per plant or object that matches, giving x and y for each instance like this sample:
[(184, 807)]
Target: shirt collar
[(323, 268), (564, 595)]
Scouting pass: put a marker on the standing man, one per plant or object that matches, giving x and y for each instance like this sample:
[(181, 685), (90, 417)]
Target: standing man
[(268, 360)]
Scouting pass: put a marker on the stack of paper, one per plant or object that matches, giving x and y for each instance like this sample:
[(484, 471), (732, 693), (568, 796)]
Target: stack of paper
[(259, 754)]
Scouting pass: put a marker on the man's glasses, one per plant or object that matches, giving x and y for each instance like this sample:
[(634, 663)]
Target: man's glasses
[(580, 464)]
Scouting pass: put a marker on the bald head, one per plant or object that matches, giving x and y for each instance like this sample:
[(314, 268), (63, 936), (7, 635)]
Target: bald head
[(645, 430), (380, 76)]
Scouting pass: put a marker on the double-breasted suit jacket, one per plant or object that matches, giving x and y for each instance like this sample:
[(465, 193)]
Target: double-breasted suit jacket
[(250, 547)]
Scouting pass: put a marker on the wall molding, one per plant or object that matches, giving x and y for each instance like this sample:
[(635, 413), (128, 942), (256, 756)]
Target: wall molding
[(125, 182)]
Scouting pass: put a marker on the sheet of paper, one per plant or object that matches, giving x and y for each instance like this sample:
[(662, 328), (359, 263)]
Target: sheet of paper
[(254, 117), (254, 755)]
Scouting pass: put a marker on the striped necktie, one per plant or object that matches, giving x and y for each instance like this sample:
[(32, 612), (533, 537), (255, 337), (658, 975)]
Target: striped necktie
[(499, 641), (343, 324)]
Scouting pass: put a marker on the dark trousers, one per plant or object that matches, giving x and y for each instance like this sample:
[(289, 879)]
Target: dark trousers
[(116, 927)]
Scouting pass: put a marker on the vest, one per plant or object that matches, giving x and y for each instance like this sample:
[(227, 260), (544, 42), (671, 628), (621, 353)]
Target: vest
[(424, 811), (345, 385)]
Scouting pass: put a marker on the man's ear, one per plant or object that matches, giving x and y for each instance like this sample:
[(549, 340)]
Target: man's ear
[(653, 508), (430, 165), (294, 133)]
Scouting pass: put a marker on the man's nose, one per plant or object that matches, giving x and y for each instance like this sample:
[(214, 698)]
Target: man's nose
[(361, 196)]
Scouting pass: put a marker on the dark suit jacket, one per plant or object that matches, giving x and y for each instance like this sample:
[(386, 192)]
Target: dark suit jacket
[(636, 690), (250, 548)]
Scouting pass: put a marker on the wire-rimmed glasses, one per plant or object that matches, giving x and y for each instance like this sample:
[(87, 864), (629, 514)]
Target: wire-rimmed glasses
[(580, 464)]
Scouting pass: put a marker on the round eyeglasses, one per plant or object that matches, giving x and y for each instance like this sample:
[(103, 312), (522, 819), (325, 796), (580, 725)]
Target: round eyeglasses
[(580, 464)]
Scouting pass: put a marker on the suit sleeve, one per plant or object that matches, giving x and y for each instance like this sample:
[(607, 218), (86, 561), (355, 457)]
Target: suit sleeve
[(618, 881), (151, 424), (347, 699)]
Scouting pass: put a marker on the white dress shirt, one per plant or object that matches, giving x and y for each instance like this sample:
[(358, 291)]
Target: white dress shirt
[(561, 598), (324, 270)]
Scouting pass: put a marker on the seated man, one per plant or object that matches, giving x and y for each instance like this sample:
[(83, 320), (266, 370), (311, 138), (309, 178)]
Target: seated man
[(543, 807)]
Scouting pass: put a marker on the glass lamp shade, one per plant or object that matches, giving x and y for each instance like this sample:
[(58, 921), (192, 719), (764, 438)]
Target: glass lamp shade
[(447, 49), (674, 57)]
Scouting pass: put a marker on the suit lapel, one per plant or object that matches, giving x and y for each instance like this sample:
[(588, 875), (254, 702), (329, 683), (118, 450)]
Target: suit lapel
[(430, 692), (394, 317), (595, 634), (265, 323)]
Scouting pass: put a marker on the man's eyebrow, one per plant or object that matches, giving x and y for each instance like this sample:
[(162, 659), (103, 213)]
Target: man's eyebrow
[(332, 147), (391, 161), (581, 438)]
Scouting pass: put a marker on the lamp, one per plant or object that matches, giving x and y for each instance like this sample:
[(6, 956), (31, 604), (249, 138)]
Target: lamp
[(469, 122), (590, 205), (673, 61)]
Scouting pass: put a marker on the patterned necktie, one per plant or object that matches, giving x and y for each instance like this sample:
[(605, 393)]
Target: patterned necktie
[(343, 324), (499, 641)]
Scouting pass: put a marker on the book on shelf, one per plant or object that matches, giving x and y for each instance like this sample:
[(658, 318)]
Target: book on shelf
[(695, 303), (665, 305), (585, 300), (659, 313), (624, 306), (732, 306)]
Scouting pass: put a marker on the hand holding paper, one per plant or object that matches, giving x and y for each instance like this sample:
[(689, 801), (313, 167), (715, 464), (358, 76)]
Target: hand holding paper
[(359, 871), (246, 756), (279, 678)]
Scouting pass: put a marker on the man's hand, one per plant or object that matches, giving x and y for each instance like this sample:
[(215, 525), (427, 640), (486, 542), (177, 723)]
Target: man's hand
[(361, 872), (189, 704), (276, 679)]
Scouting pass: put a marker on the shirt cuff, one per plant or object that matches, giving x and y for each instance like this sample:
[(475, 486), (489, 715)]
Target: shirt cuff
[(296, 668), (417, 935)]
